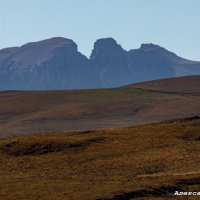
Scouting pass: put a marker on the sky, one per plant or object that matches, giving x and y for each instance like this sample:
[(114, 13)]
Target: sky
[(173, 24)]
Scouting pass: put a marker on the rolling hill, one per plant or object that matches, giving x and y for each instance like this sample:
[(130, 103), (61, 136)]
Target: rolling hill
[(56, 64), (143, 162), (188, 84), (30, 112)]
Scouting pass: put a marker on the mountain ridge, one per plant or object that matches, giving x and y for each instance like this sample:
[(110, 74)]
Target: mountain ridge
[(56, 63)]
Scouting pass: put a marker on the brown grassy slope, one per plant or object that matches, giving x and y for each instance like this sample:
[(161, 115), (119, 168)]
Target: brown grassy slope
[(141, 161), (47, 111), (185, 84)]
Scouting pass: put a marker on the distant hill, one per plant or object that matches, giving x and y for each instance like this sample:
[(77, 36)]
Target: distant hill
[(56, 63), (185, 84), (23, 112)]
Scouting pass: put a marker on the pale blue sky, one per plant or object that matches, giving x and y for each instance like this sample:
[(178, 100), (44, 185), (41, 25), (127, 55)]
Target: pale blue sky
[(173, 24)]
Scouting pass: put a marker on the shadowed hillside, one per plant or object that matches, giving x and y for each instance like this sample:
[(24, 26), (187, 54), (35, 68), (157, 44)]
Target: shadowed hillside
[(24, 112), (142, 162)]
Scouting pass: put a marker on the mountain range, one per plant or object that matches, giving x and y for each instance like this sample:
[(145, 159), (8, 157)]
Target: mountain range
[(56, 63)]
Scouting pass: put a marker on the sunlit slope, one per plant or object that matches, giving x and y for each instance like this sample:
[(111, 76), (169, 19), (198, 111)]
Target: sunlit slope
[(185, 84), (144, 161)]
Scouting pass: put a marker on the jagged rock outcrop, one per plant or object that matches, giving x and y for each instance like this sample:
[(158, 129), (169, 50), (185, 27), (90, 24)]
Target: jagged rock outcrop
[(109, 61), (50, 64), (56, 63), (151, 62)]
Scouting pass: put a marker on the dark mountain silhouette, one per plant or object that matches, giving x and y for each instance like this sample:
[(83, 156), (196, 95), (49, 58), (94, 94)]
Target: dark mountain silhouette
[(56, 63), (50, 64), (109, 61), (152, 62)]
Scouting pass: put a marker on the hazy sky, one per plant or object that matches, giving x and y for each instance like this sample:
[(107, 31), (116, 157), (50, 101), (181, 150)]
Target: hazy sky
[(173, 24)]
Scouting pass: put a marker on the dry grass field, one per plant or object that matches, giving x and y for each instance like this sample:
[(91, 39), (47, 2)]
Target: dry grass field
[(149, 161), (185, 84), (49, 111), (71, 145)]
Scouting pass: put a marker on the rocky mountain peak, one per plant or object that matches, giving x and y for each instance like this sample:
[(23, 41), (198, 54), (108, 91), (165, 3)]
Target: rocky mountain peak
[(52, 42), (34, 53), (106, 46), (150, 47)]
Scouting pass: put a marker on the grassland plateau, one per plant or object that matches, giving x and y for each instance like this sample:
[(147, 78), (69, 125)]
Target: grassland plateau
[(135, 142)]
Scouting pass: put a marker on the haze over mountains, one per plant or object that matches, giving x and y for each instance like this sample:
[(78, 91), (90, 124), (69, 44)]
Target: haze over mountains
[(56, 63)]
